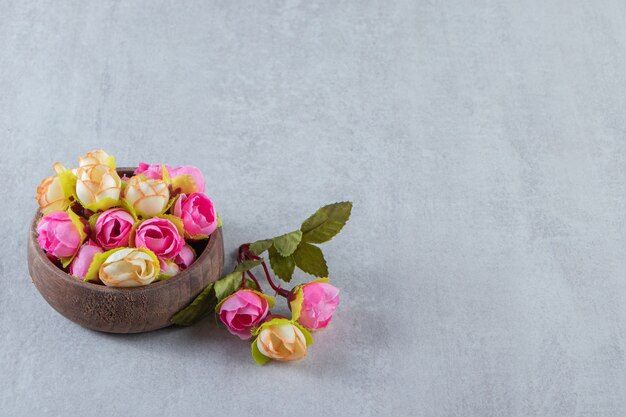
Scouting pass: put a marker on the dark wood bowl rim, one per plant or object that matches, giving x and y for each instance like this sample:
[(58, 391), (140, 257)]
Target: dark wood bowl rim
[(155, 286)]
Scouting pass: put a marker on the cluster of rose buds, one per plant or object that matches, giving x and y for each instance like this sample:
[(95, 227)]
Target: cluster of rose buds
[(246, 314), (123, 232)]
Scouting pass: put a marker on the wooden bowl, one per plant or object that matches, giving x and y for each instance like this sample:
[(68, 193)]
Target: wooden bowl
[(123, 310)]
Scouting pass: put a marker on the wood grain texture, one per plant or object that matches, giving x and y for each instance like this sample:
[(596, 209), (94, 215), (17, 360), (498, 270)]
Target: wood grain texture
[(122, 310)]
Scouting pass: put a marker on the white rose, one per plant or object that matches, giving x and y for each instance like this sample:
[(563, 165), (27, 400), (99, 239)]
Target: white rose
[(97, 186), (129, 267), (148, 197)]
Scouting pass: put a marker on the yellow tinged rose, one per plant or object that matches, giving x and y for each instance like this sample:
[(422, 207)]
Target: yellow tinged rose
[(129, 267), (98, 186), (98, 157), (50, 196), (148, 197), (282, 341)]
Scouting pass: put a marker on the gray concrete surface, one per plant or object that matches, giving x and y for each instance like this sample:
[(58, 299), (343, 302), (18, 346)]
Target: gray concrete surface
[(482, 142)]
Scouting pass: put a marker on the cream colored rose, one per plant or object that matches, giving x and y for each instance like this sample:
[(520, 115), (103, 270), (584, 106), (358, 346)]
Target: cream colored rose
[(148, 197), (281, 341), (98, 186), (129, 267), (50, 196), (98, 157)]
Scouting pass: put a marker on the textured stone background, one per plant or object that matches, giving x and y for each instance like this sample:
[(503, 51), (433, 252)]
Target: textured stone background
[(482, 143)]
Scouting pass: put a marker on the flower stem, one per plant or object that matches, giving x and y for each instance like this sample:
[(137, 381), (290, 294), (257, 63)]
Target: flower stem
[(280, 291), (246, 254), (253, 278)]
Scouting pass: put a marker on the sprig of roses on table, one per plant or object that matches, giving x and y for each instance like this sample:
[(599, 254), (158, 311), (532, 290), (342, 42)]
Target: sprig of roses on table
[(129, 232)]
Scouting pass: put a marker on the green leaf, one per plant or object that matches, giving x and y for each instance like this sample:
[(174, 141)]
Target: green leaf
[(310, 259), (199, 308), (287, 243), (258, 357), (326, 222), (283, 266), (260, 246), (96, 262), (227, 285), (211, 296), (307, 335), (247, 265)]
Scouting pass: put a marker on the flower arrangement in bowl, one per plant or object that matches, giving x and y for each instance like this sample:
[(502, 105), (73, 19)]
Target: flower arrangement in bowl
[(128, 250), (123, 249)]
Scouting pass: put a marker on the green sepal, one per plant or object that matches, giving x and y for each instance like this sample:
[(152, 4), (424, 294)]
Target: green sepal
[(260, 246), (130, 209), (185, 183), (287, 243), (165, 176), (326, 222), (96, 263), (295, 303), (283, 266), (310, 259), (111, 162), (219, 220), (162, 276), (280, 320), (258, 357), (80, 226), (67, 180), (307, 335), (104, 204), (92, 222), (171, 202), (297, 297), (177, 221), (196, 237)]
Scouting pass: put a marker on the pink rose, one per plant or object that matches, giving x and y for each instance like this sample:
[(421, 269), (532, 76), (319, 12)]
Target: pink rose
[(198, 214), (153, 172), (186, 257), (160, 236), (80, 264), (189, 178), (58, 235), (113, 228), (319, 301), (242, 311)]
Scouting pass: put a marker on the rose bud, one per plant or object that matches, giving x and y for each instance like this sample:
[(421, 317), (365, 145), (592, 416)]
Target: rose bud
[(168, 269), (244, 310), (129, 267), (188, 179), (98, 157), (186, 257), (161, 236), (280, 339), (153, 172), (80, 264), (148, 197), (60, 234), (313, 304), (198, 215), (97, 187), (50, 195), (113, 228)]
